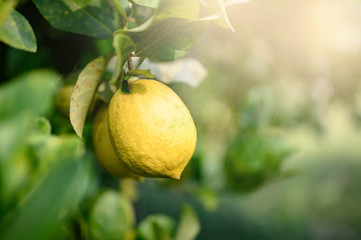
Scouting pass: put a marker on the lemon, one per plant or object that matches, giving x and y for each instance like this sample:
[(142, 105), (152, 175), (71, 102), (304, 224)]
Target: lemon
[(63, 99), (103, 147), (151, 129)]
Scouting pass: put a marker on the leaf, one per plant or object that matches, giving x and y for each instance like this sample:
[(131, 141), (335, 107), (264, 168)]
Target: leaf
[(168, 40), (225, 15), (112, 217), (125, 87), (120, 6), (156, 227), (94, 18), (208, 199), (44, 210), (188, 227), (32, 92), (217, 9), (187, 9), (160, 232), (140, 72), (148, 3), (14, 162), (83, 93), (42, 126), (16, 31), (123, 46), (5, 8)]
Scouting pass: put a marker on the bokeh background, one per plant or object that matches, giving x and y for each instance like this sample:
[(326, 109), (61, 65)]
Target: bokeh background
[(278, 119)]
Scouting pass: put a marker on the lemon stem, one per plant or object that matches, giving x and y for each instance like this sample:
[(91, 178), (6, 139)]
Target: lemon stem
[(130, 63)]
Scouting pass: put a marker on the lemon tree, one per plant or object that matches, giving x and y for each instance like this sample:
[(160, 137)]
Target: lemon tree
[(129, 125), (151, 130)]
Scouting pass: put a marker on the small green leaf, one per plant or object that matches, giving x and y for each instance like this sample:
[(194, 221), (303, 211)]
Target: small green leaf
[(225, 15), (83, 93), (140, 72), (160, 232), (217, 9), (188, 227), (125, 87), (147, 3), (112, 217), (15, 162), (32, 91), (123, 46), (187, 9), (120, 6), (208, 199), (95, 18), (13, 132), (42, 127), (16, 31), (156, 227), (5, 9), (168, 40)]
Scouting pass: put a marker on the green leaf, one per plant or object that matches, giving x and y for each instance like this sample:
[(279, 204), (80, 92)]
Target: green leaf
[(225, 15), (94, 18), (83, 93), (125, 87), (188, 227), (254, 158), (148, 3), (156, 227), (32, 92), (160, 232), (112, 217), (168, 40), (120, 6), (13, 132), (42, 126), (53, 198), (14, 161), (187, 9), (21, 99), (217, 9), (16, 31), (208, 198), (140, 72), (123, 46), (5, 8)]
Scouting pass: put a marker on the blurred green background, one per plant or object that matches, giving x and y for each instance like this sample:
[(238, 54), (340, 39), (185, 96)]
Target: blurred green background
[(278, 119)]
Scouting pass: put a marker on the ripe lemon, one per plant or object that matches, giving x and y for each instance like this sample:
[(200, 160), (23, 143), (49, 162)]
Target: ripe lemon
[(151, 129), (103, 147)]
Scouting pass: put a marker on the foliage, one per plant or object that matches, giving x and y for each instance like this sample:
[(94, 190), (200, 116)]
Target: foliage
[(51, 185)]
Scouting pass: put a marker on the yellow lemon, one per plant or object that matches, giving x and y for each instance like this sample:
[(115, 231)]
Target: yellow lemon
[(151, 129), (103, 147)]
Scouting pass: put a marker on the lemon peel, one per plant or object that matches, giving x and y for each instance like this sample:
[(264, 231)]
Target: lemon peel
[(151, 129)]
